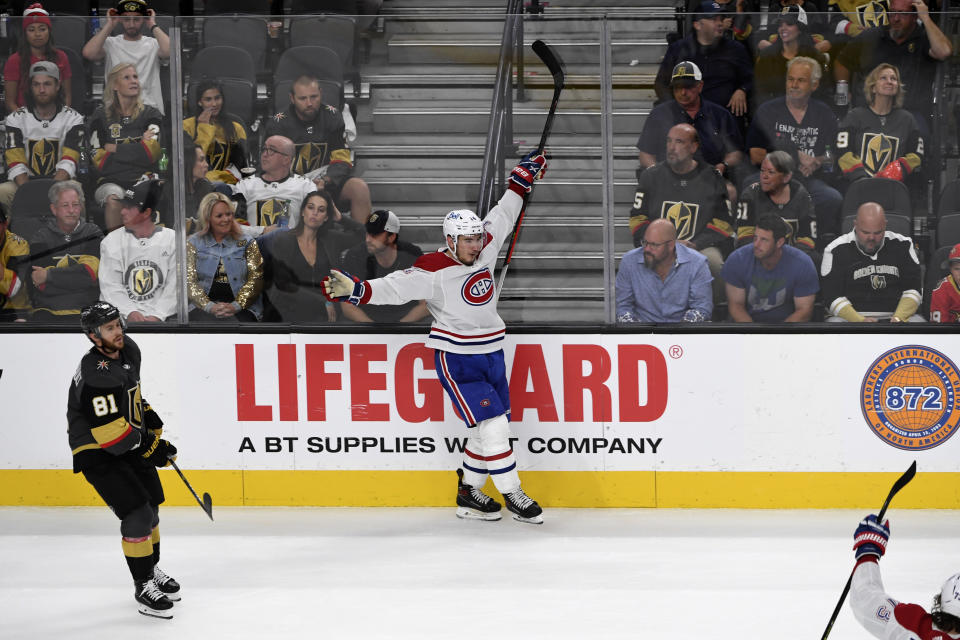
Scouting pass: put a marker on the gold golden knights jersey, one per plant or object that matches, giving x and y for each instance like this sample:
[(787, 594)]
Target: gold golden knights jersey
[(38, 148), (851, 17), (14, 271), (105, 408), (867, 142)]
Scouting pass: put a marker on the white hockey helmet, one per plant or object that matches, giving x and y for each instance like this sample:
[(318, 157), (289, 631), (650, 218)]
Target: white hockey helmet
[(950, 596), (461, 222)]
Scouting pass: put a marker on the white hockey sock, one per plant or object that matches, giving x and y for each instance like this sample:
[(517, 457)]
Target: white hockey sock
[(474, 466), (498, 454)]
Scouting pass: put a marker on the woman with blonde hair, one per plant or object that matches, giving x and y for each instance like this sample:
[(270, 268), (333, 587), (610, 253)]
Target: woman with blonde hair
[(124, 137), (224, 266), (882, 139)]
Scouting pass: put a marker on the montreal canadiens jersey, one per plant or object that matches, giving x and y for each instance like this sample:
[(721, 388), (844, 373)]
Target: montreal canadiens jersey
[(38, 148), (140, 274), (867, 142), (269, 202), (884, 617), (945, 302), (461, 298)]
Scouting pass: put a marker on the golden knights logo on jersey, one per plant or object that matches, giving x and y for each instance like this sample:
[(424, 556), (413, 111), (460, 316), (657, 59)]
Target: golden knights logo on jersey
[(878, 151), (872, 14), (310, 156), (218, 156), (270, 211), (42, 156), (143, 280), (683, 215)]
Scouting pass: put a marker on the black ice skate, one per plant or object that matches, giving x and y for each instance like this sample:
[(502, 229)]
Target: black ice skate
[(166, 584), (151, 600), (523, 507), (474, 504)]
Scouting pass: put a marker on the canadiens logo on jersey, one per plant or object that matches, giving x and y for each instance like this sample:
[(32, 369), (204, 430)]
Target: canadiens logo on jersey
[(270, 211), (878, 151), (310, 156), (909, 397), (43, 156), (143, 279), (478, 288), (683, 215)]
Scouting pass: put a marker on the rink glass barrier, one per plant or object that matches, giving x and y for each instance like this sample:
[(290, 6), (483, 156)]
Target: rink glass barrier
[(418, 87)]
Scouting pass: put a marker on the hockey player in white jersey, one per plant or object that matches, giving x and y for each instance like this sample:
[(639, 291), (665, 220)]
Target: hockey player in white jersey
[(889, 619), (467, 333)]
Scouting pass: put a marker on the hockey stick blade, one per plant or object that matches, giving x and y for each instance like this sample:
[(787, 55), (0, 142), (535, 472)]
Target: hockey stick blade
[(207, 503), (901, 482)]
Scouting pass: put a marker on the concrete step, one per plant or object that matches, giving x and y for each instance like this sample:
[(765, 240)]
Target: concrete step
[(539, 92), (446, 116), (410, 146), (462, 76), (474, 49), (649, 22), (438, 164)]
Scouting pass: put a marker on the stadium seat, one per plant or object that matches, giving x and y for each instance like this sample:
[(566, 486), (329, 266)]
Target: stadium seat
[(70, 32), (228, 7), (234, 68), (244, 32), (948, 215), (78, 81), (65, 7), (322, 62), (31, 199), (892, 195), (334, 31)]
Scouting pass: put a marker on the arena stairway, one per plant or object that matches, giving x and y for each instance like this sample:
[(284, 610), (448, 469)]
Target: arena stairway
[(422, 132)]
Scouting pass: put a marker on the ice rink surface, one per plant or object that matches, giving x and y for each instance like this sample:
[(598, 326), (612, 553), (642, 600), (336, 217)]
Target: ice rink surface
[(422, 573)]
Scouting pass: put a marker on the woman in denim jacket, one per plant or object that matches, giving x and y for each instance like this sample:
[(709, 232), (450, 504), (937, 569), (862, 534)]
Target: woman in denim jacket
[(224, 266)]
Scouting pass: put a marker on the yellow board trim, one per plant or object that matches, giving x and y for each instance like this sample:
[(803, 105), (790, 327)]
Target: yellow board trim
[(665, 489)]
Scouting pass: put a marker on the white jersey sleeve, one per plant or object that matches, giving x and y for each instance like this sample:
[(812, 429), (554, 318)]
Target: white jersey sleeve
[(881, 615)]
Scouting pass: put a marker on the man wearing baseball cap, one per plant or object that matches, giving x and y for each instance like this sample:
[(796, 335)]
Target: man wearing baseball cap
[(381, 253), (132, 46), (721, 144), (945, 300), (43, 137), (138, 261), (726, 65)]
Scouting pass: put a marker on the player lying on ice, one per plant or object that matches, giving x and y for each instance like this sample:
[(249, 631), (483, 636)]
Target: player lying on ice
[(885, 617), (467, 336)]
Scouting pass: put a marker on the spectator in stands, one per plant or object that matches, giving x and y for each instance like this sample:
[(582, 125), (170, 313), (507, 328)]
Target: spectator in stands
[(770, 281), (663, 280), (221, 135), (132, 46), (721, 144), (726, 65), (272, 199), (778, 193), (14, 269), (297, 260), (737, 18), (322, 155), (138, 262), (65, 258), (224, 266), (124, 137), (803, 127), (793, 40), (882, 139), (383, 252), (44, 137), (690, 194), (871, 274), (945, 300), (35, 45), (816, 24), (912, 42)]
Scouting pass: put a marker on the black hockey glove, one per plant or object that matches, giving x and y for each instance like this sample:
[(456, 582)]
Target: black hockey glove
[(152, 421), (157, 451)]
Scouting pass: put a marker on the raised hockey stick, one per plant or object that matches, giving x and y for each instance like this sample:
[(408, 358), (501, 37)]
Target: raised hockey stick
[(207, 503), (899, 484), (556, 68)]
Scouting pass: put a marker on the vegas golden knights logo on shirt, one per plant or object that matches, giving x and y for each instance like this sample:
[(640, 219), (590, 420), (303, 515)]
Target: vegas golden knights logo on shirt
[(878, 150), (143, 279), (135, 401), (218, 156), (683, 215), (309, 157), (878, 282), (270, 211), (43, 156)]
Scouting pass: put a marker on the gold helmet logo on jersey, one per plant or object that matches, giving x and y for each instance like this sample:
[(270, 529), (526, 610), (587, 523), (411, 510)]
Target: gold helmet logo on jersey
[(43, 157), (878, 151), (872, 14), (878, 282), (310, 156), (219, 155), (270, 211), (683, 215), (142, 281)]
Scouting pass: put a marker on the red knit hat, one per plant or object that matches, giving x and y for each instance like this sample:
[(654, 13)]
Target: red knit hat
[(34, 14)]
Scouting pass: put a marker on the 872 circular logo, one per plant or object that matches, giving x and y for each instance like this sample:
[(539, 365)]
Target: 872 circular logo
[(911, 397)]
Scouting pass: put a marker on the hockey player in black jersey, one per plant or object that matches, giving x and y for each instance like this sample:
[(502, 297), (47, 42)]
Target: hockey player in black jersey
[(115, 439)]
